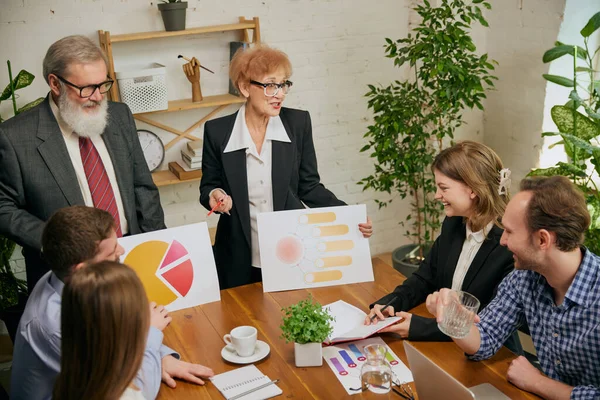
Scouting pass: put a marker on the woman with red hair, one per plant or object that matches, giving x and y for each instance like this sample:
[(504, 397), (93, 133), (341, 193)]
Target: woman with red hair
[(260, 159)]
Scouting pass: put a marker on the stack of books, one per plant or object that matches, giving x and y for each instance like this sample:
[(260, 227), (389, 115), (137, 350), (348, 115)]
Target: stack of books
[(191, 164), (192, 154)]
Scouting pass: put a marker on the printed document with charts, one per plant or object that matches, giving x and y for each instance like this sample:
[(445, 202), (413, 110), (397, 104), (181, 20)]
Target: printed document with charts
[(233, 383), (350, 325)]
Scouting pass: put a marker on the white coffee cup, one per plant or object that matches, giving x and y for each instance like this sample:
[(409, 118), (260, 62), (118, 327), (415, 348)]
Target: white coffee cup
[(242, 340)]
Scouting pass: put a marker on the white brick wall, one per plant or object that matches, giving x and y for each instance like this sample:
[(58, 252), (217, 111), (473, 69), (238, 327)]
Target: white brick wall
[(336, 47), (521, 31)]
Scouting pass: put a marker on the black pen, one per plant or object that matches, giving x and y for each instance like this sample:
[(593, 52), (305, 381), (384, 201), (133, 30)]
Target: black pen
[(389, 303)]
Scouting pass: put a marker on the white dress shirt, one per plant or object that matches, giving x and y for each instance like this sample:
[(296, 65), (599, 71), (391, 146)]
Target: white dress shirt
[(132, 394), (259, 168), (471, 246), (72, 142)]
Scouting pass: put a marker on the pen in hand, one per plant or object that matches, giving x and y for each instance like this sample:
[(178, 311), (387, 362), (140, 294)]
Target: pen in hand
[(215, 207), (389, 303)]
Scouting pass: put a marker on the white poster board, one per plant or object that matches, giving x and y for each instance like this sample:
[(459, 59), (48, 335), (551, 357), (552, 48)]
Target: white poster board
[(313, 248), (176, 265)]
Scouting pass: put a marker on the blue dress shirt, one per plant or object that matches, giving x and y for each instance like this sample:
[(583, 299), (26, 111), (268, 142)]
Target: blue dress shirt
[(36, 356), (566, 337)]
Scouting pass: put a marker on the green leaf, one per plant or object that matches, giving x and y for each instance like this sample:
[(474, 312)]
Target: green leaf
[(30, 105), (584, 69), (591, 26), (23, 79), (559, 143), (550, 134), (563, 118), (559, 51), (562, 169), (580, 143), (559, 80)]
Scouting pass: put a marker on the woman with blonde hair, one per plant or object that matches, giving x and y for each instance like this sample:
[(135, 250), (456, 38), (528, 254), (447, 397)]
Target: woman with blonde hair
[(472, 184), (105, 317), (259, 159)]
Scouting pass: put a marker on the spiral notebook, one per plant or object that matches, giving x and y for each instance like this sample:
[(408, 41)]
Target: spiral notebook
[(240, 380)]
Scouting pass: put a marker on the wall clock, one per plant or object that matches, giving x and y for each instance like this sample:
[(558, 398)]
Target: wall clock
[(152, 147)]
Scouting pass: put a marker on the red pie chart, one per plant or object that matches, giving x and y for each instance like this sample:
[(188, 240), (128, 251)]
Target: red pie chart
[(153, 260)]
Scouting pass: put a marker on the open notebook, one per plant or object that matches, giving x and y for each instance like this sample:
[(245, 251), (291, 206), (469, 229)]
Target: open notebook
[(350, 325), (240, 380)]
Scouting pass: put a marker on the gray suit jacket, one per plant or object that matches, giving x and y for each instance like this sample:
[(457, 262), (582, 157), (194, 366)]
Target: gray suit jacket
[(37, 178)]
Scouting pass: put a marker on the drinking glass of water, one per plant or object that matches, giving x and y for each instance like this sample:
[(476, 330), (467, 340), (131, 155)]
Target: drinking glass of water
[(459, 314)]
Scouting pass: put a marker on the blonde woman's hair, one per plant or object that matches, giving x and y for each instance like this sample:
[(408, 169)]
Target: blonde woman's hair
[(478, 167), (104, 322), (254, 63)]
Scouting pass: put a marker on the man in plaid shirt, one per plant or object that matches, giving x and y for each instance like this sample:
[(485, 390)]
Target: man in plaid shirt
[(555, 288)]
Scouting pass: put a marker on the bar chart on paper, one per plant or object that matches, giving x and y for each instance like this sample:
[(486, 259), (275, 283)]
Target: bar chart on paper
[(346, 360), (313, 247)]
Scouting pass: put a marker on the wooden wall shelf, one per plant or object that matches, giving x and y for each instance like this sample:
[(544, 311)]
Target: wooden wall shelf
[(207, 101), (218, 102), (165, 178), (129, 37)]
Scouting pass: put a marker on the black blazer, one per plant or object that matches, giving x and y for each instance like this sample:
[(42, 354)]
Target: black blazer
[(295, 180), (37, 178), (490, 265)]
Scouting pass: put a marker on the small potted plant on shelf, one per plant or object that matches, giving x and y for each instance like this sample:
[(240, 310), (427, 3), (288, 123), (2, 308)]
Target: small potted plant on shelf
[(307, 324), (173, 14)]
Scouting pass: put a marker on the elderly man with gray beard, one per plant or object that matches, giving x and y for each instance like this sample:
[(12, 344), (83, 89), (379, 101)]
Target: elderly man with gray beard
[(75, 148)]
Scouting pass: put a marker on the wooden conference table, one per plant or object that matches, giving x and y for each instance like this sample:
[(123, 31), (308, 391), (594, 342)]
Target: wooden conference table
[(197, 334)]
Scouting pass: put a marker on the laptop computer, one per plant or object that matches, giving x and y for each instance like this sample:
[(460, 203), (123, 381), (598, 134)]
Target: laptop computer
[(433, 383)]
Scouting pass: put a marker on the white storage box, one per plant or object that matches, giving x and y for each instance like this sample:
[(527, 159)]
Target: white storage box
[(144, 89)]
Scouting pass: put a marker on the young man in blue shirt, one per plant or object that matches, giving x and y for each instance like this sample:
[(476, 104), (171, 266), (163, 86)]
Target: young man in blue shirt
[(555, 288), (73, 238)]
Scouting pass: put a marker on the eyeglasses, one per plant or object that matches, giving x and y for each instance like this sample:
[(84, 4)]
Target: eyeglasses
[(271, 89), (89, 90)]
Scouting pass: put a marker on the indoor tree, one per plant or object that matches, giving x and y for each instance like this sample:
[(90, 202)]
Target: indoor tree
[(412, 116), (578, 124), (11, 286)]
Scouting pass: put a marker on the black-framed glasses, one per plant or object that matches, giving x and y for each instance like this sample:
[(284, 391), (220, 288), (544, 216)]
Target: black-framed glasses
[(89, 90), (271, 89)]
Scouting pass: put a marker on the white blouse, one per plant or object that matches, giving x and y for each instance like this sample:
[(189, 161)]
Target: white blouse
[(471, 246), (132, 394), (259, 168)]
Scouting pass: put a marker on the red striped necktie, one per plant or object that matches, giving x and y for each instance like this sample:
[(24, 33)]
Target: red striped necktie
[(100, 187)]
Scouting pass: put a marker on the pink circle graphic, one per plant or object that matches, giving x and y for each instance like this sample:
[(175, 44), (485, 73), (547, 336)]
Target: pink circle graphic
[(290, 250)]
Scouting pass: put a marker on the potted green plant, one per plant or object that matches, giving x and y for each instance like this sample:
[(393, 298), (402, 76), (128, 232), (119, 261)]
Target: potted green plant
[(13, 291), (173, 14), (307, 324), (412, 116), (578, 124)]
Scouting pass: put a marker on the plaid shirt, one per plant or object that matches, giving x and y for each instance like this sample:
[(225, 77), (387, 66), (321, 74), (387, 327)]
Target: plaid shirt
[(566, 337)]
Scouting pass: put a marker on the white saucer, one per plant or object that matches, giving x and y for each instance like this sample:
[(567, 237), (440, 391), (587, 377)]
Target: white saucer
[(262, 350)]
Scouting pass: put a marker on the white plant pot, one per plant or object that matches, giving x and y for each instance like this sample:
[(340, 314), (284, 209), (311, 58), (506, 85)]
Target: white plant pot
[(308, 355)]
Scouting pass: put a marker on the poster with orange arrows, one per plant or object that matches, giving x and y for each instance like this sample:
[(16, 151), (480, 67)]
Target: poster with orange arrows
[(175, 265), (313, 248)]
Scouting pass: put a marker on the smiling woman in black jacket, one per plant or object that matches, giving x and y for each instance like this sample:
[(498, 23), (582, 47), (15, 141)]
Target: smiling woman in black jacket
[(472, 185)]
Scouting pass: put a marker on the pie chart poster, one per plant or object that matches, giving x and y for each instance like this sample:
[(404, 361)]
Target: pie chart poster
[(176, 265)]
